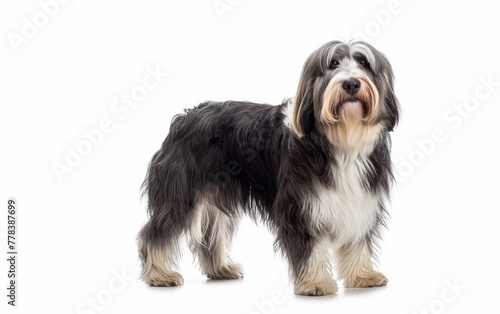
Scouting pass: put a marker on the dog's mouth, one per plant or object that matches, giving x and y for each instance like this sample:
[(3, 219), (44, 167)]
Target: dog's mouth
[(339, 105), (351, 104)]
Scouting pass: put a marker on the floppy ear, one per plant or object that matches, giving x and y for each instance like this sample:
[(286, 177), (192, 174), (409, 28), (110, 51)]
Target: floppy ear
[(303, 108), (391, 102), (393, 108)]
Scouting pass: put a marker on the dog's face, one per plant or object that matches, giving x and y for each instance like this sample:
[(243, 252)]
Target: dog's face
[(345, 86)]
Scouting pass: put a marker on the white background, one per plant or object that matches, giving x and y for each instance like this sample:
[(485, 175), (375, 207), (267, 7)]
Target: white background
[(77, 233)]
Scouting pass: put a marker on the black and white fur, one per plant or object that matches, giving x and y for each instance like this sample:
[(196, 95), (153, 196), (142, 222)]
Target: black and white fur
[(316, 169)]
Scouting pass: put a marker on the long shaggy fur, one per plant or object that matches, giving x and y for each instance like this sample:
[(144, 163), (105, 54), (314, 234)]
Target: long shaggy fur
[(316, 169)]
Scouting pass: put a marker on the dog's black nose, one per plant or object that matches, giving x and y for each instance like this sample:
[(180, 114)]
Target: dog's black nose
[(351, 86)]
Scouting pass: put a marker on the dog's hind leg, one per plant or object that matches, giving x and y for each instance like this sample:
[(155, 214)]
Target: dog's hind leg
[(211, 234), (159, 256)]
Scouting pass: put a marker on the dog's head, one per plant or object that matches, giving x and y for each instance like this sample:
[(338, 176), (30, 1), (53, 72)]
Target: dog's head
[(344, 84)]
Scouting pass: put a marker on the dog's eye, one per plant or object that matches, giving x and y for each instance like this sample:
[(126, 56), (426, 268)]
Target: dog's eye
[(363, 63), (334, 64)]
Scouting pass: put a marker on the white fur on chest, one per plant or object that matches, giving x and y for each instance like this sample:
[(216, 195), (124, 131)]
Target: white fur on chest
[(347, 211)]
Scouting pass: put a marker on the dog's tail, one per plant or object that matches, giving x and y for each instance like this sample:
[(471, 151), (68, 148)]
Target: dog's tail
[(158, 188), (152, 185), (169, 193), (151, 190)]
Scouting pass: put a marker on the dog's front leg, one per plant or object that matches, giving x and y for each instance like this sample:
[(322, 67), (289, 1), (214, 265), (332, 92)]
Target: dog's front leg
[(310, 263), (355, 266)]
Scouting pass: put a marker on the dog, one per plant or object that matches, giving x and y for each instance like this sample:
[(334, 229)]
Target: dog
[(315, 169)]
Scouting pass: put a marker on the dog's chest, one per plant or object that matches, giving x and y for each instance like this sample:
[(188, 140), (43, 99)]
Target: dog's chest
[(347, 211)]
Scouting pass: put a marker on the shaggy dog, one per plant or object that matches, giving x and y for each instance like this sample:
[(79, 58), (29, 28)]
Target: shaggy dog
[(316, 169)]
